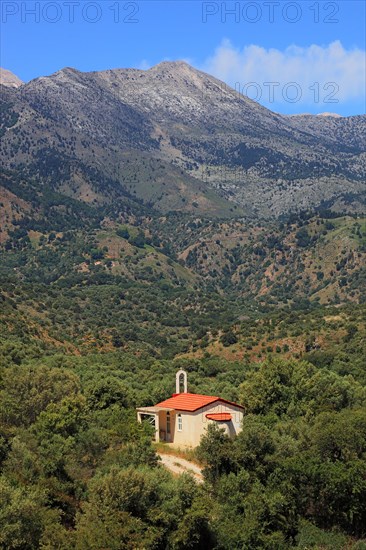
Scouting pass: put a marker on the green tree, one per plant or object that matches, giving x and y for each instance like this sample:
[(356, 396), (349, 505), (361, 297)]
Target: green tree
[(23, 516), (254, 447), (26, 391), (216, 452), (104, 392)]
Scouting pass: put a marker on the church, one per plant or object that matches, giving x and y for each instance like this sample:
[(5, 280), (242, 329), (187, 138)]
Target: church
[(183, 418)]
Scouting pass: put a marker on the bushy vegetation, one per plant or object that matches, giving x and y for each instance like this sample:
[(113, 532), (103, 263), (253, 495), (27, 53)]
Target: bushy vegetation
[(79, 472), (300, 456)]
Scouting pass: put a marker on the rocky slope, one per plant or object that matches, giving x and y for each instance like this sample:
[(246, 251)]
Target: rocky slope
[(7, 78), (178, 139)]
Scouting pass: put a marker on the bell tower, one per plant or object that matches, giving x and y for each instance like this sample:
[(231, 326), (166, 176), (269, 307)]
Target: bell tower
[(181, 376)]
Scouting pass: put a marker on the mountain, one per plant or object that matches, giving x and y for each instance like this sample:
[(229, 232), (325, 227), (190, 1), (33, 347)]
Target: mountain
[(9, 79), (173, 138)]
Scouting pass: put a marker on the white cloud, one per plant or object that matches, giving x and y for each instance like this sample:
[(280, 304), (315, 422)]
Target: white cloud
[(319, 65)]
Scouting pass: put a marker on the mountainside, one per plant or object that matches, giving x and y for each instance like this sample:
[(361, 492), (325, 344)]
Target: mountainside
[(81, 283), (176, 139)]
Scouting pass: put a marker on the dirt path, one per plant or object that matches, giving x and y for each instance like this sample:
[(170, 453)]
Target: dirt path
[(180, 465)]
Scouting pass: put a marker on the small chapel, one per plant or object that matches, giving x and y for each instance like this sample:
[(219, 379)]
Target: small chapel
[(183, 418)]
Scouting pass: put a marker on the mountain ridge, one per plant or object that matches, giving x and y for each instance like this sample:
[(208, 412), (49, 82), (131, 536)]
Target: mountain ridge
[(179, 139)]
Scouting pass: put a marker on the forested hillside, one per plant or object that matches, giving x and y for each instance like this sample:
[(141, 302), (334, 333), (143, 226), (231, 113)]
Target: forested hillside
[(172, 284), (99, 310)]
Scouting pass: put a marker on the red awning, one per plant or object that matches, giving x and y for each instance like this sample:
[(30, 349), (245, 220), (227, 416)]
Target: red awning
[(219, 417)]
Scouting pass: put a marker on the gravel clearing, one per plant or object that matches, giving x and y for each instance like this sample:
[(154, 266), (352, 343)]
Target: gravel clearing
[(179, 465)]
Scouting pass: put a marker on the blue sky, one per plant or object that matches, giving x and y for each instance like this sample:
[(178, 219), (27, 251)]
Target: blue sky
[(303, 56)]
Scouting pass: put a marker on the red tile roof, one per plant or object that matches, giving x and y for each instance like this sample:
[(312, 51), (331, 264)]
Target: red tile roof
[(191, 401), (220, 417)]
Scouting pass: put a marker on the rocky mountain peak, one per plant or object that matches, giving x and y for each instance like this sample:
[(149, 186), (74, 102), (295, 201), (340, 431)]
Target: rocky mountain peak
[(9, 79), (180, 139), (335, 115)]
